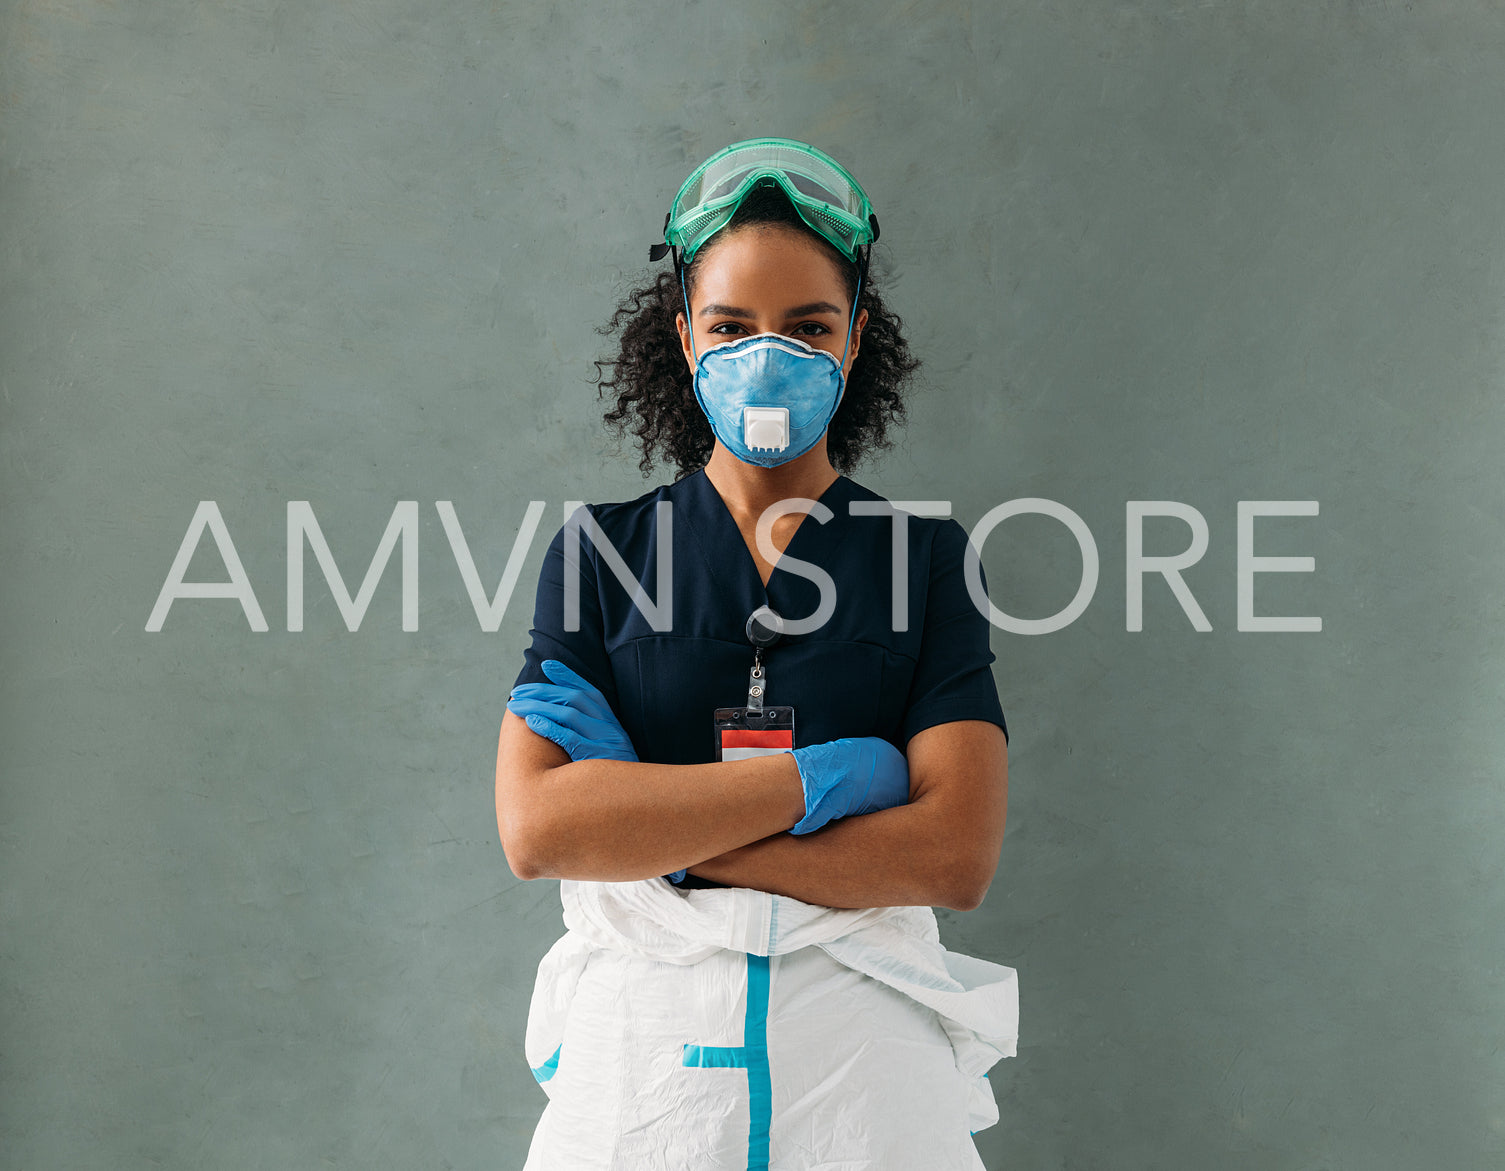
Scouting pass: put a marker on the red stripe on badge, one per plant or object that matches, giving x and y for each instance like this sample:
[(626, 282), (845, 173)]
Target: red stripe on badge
[(753, 738)]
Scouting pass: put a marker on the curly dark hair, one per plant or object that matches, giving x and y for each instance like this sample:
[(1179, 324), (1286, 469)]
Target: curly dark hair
[(654, 391)]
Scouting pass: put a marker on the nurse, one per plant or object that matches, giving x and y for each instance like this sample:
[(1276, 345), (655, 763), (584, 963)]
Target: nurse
[(785, 701)]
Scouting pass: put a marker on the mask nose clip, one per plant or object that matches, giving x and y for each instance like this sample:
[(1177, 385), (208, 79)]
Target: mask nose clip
[(765, 428)]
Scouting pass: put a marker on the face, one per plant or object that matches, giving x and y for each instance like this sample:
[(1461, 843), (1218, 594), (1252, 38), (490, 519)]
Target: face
[(769, 279)]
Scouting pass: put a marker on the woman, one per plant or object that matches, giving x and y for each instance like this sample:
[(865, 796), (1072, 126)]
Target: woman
[(765, 684)]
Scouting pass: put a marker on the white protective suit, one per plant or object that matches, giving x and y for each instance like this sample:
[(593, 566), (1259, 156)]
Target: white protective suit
[(732, 1030)]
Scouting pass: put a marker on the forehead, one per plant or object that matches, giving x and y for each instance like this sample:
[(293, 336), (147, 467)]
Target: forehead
[(772, 263)]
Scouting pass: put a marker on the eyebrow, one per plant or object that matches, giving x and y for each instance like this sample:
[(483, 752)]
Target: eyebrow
[(797, 311)]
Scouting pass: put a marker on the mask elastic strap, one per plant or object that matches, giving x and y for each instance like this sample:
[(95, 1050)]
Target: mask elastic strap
[(851, 321), (689, 321)]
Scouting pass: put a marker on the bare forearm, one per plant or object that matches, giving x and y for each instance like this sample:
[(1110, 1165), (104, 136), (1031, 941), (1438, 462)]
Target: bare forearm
[(910, 856), (618, 821), (939, 850)]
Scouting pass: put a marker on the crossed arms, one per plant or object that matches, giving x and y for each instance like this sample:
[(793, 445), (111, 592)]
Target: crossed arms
[(621, 821)]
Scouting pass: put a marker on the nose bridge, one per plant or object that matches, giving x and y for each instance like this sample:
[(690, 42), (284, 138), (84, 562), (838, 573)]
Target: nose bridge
[(765, 327)]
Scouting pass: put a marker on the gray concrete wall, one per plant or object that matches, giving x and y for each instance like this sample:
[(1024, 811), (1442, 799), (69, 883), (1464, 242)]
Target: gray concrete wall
[(253, 910)]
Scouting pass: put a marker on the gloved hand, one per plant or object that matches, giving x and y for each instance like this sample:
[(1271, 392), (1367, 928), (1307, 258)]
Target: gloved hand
[(852, 775), (573, 714)]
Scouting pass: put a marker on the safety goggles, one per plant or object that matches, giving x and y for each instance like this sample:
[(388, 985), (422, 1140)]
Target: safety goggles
[(826, 197)]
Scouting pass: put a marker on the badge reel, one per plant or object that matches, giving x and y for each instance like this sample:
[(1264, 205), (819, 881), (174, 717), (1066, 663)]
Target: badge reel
[(754, 729)]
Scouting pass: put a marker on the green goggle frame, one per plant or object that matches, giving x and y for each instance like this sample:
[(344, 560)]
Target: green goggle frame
[(825, 195)]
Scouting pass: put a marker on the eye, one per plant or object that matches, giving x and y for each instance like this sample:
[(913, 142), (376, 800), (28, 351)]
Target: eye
[(725, 328), (810, 329)]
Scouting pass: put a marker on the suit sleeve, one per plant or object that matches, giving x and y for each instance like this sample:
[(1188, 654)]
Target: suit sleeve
[(953, 679)]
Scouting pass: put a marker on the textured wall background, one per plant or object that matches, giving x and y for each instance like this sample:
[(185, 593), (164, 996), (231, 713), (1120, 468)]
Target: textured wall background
[(253, 911)]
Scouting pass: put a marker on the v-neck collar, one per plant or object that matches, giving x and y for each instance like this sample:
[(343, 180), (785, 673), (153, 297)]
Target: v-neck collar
[(726, 553)]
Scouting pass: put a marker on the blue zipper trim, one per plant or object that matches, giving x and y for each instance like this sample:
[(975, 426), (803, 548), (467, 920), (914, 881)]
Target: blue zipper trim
[(549, 1068), (751, 1055)]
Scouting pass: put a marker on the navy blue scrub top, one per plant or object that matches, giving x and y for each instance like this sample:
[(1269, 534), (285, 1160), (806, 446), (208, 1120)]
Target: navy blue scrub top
[(855, 676)]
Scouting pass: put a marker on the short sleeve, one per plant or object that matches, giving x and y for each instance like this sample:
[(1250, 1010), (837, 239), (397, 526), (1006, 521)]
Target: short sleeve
[(953, 679), (582, 650)]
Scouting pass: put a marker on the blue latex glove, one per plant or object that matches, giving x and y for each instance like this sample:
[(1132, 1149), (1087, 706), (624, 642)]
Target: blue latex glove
[(574, 715), (849, 776)]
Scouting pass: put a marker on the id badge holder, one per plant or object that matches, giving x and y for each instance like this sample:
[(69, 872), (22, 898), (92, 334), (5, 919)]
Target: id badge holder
[(753, 729), (743, 732)]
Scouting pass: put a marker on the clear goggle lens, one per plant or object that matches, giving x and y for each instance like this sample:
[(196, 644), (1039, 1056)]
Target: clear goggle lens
[(827, 198)]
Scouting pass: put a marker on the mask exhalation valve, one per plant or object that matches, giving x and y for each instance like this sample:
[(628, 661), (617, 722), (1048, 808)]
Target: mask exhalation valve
[(765, 428)]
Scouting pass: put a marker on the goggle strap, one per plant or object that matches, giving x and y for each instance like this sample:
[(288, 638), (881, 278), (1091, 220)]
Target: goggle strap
[(660, 250)]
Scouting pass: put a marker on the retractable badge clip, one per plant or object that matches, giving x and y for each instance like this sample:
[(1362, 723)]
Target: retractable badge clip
[(764, 628)]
